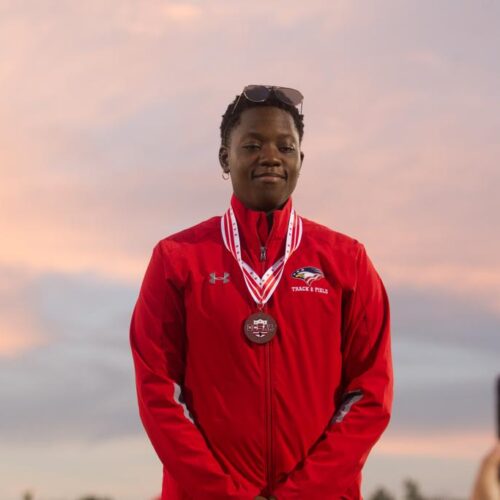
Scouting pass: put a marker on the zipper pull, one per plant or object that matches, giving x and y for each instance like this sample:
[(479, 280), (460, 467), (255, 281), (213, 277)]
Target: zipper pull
[(263, 254)]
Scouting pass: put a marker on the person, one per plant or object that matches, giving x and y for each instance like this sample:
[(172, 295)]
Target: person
[(487, 483), (261, 339)]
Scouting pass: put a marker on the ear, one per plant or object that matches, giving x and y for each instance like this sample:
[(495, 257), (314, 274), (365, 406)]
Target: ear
[(224, 158), (301, 159)]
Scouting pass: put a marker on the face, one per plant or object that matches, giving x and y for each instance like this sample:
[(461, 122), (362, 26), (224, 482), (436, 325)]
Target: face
[(263, 157)]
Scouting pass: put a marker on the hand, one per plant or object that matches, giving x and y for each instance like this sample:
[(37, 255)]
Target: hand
[(260, 498), (487, 485)]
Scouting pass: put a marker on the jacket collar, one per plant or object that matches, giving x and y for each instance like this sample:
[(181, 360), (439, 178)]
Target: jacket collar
[(254, 232)]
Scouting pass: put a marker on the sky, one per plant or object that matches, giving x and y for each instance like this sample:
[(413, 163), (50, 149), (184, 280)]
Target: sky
[(109, 133)]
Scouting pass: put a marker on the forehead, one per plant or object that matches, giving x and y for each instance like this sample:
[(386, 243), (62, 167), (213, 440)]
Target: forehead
[(265, 121)]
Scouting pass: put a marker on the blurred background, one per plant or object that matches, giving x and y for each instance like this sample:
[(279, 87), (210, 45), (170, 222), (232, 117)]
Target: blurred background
[(109, 132)]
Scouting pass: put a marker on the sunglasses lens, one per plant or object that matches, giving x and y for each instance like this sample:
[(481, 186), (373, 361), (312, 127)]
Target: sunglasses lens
[(256, 93), (260, 93), (289, 96)]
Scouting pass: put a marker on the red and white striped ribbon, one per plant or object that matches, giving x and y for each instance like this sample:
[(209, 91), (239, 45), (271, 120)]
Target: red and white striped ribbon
[(260, 288)]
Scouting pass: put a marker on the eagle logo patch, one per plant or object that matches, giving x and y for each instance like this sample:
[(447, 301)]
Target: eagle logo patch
[(308, 274)]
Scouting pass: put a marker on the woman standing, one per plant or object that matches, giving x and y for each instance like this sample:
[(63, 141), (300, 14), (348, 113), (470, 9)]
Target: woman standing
[(260, 339)]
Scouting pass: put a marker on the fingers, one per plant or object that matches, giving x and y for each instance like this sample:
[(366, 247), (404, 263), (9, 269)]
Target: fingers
[(493, 457), (487, 486)]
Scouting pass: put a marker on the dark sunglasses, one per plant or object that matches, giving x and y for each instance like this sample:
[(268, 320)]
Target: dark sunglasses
[(261, 93)]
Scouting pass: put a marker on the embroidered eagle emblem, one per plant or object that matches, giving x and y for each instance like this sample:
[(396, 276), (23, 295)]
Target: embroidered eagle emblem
[(308, 274)]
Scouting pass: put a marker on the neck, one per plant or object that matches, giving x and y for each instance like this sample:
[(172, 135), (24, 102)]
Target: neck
[(270, 219)]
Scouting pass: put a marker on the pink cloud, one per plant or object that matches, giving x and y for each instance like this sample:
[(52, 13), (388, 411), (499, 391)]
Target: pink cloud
[(467, 444), (18, 326)]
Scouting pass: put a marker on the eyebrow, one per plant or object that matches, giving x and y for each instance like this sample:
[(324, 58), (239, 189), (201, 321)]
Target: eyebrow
[(259, 136)]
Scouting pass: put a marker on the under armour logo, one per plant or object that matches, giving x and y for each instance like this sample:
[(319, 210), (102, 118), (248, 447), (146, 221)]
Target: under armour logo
[(214, 278)]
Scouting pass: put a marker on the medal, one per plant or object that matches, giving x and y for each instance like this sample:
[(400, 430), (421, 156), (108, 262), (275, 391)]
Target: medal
[(260, 327)]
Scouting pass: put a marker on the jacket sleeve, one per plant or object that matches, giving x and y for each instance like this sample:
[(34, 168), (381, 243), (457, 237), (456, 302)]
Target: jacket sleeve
[(157, 340), (332, 468)]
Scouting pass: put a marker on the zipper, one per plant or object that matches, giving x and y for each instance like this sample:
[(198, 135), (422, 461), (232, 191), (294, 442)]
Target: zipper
[(263, 255), (269, 401), (268, 393)]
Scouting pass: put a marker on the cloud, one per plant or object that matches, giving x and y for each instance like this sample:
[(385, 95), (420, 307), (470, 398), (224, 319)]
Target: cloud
[(445, 363), (456, 444), (108, 468), (19, 331), (429, 405), (399, 140), (79, 384), (433, 317)]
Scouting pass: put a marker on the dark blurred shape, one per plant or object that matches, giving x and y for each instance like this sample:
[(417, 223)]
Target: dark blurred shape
[(382, 494), (93, 497), (412, 490), (27, 495)]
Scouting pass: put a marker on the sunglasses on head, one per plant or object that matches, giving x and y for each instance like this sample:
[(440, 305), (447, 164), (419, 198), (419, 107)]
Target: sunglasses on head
[(261, 93)]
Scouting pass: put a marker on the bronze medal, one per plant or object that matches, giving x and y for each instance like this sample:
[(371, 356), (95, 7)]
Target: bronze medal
[(260, 328)]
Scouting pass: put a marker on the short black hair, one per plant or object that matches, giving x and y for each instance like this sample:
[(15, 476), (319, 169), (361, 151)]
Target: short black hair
[(230, 119)]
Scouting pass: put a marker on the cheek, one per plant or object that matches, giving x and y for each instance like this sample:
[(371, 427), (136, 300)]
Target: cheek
[(238, 178), (293, 177), (239, 172)]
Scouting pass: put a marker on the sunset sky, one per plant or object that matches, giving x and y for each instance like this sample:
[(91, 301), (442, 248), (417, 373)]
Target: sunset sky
[(109, 132)]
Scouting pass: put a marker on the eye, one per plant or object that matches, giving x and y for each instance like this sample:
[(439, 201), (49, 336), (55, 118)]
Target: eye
[(287, 149), (251, 147)]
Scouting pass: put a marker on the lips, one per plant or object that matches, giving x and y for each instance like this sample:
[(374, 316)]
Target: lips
[(269, 174)]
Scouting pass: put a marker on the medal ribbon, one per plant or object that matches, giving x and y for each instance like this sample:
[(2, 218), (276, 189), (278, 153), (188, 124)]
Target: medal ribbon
[(260, 288)]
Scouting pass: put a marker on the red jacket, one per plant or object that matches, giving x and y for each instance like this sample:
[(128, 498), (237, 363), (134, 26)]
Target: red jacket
[(295, 417)]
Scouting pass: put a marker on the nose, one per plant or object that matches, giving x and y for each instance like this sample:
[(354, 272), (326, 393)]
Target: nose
[(269, 156)]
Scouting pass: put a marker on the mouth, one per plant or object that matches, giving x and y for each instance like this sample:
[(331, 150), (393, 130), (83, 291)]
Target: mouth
[(270, 176)]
